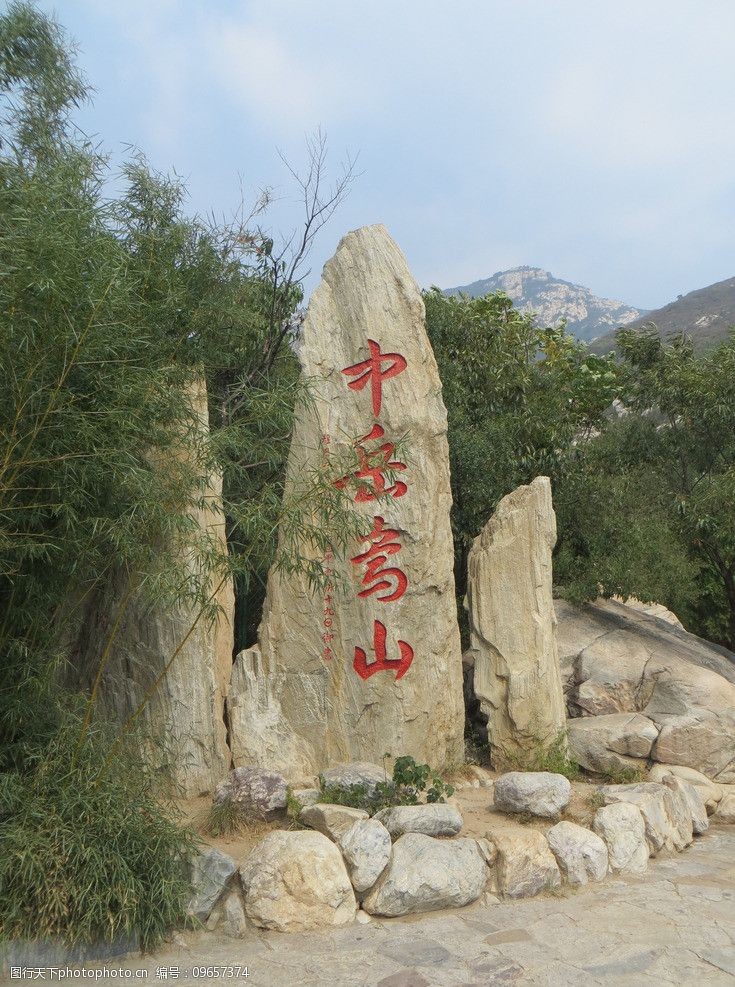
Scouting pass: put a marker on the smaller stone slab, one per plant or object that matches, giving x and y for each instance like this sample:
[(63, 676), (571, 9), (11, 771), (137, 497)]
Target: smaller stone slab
[(541, 793), (580, 853), (366, 847), (212, 874), (623, 829), (254, 790), (332, 820), (433, 819), (356, 773), (525, 864)]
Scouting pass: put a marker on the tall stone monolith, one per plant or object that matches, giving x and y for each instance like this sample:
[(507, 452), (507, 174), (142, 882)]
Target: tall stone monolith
[(370, 663), (513, 625)]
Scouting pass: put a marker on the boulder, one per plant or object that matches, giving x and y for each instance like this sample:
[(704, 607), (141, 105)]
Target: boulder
[(306, 796), (541, 793), (435, 819), (426, 874), (229, 916), (710, 791), (695, 806), (332, 820), (612, 742), (366, 848), (725, 812), (362, 773), (525, 864), (616, 659), (668, 823), (255, 791), (213, 873), (623, 829), (513, 626), (295, 881), (371, 662), (580, 853)]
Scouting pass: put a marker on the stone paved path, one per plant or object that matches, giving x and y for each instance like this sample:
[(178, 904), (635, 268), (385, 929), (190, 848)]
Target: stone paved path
[(676, 925)]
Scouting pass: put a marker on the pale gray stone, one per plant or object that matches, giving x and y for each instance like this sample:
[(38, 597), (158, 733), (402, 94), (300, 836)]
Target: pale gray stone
[(612, 741), (616, 659), (332, 820), (525, 863), (433, 819), (725, 812), (306, 796), (710, 791), (695, 803), (363, 773), (426, 874), (212, 874), (664, 817), (580, 853), (366, 847), (623, 829), (295, 881), (228, 916), (255, 791), (320, 709), (541, 793), (513, 626)]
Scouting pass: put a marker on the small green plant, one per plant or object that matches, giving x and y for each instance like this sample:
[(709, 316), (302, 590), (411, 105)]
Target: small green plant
[(408, 783), (623, 775), (595, 800), (553, 757), (294, 807), (224, 819)]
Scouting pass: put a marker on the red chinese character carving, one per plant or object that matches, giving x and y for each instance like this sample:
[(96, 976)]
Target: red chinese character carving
[(382, 663), (382, 544), (374, 470), (370, 370)]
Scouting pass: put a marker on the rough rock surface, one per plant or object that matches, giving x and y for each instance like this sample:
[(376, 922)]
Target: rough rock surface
[(295, 881), (512, 623), (437, 819), (185, 712), (256, 791), (580, 853), (212, 875), (710, 791), (725, 812), (366, 847), (541, 793), (612, 741), (668, 824), (623, 829), (338, 707), (229, 916), (356, 773), (426, 874), (332, 820), (525, 864), (695, 804), (616, 659)]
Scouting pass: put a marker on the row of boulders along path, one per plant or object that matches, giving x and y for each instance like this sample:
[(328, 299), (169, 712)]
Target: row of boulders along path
[(342, 865)]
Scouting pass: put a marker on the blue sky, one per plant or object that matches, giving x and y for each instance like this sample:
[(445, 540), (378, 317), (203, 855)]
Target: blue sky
[(590, 137)]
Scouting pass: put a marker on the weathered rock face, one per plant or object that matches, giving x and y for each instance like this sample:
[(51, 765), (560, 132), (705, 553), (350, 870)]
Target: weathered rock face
[(668, 823), (525, 864), (185, 714), (366, 848), (542, 793), (426, 874), (213, 873), (512, 623), (612, 741), (347, 676), (432, 820), (297, 881), (616, 659), (580, 853), (332, 820), (623, 830), (256, 792)]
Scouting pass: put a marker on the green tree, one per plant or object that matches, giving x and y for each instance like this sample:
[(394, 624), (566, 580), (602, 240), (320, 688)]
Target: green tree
[(518, 397), (649, 509)]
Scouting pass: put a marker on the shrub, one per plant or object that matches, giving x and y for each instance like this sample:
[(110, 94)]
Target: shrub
[(553, 757), (408, 783), (88, 853)]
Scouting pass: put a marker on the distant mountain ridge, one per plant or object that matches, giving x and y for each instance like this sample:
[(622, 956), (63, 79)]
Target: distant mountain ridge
[(706, 315), (551, 299)]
